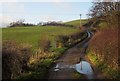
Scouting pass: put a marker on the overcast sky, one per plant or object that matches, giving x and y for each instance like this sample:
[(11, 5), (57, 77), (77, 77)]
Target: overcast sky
[(43, 10)]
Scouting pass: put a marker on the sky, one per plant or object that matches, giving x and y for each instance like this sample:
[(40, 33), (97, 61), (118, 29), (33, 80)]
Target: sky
[(43, 10)]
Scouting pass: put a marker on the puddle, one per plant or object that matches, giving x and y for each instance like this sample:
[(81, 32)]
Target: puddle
[(63, 66), (56, 69), (88, 34), (84, 68)]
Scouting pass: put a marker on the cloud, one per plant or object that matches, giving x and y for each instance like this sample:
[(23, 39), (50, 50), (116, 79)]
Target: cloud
[(57, 0), (46, 0), (48, 18), (8, 0), (66, 6), (6, 20), (13, 8), (69, 0)]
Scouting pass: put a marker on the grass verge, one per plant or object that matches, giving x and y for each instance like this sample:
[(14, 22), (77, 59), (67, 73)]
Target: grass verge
[(39, 69), (107, 71)]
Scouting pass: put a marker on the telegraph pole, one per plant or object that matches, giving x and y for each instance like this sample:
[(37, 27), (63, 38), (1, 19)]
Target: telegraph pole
[(80, 19)]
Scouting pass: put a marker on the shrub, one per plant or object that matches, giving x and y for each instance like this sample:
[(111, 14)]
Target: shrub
[(62, 39), (104, 45), (14, 59), (44, 44), (26, 53), (72, 39)]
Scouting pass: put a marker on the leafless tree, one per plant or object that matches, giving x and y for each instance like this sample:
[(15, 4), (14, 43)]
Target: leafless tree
[(17, 23), (109, 11)]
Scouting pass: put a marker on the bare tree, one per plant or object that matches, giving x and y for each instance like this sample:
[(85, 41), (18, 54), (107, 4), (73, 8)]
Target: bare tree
[(17, 23), (109, 11)]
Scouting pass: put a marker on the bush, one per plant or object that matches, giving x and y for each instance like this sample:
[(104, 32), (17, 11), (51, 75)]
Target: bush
[(14, 59), (25, 56), (44, 44), (104, 45), (62, 39), (72, 39)]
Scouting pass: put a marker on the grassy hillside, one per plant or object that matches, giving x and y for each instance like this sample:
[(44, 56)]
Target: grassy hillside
[(76, 22), (32, 35)]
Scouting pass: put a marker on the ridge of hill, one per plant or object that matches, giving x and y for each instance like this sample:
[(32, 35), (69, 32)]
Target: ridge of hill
[(76, 23)]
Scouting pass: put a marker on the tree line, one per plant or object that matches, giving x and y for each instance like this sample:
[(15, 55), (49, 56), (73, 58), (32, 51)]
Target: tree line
[(21, 22)]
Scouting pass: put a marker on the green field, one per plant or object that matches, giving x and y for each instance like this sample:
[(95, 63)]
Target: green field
[(76, 22), (32, 35)]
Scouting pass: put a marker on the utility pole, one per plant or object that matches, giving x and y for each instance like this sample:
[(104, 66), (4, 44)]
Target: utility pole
[(80, 19)]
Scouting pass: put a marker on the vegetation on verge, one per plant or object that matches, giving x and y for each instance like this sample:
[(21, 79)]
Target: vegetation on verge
[(103, 47), (32, 63), (104, 53), (15, 59)]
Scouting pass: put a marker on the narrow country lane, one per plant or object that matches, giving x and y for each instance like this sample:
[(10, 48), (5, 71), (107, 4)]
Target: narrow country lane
[(64, 67)]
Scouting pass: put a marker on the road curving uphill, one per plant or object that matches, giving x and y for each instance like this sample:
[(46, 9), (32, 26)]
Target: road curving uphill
[(70, 62)]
